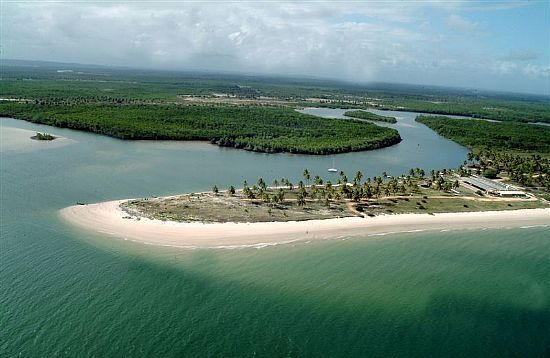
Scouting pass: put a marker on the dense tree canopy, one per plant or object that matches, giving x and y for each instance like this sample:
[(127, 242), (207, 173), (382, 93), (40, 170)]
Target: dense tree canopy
[(255, 128), (482, 134)]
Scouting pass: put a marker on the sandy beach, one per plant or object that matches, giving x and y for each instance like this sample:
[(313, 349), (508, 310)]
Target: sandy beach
[(109, 219)]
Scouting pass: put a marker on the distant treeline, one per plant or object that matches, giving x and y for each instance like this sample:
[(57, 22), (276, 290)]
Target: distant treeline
[(255, 128), (482, 134), (500, 110), (370, 116), (43, 83)]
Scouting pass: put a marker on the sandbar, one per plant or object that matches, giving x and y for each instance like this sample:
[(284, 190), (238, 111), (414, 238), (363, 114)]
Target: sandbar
[(109, 219)]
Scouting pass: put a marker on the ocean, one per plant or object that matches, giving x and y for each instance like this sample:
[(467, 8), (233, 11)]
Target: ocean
[(69, 293)]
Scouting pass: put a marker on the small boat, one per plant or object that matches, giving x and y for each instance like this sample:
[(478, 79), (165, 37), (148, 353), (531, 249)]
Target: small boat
[(333, 170)]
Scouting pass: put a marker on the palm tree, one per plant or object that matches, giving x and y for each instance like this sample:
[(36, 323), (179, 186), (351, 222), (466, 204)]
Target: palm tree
[(368, 191), (376, 191), (307, 176), (301, 200), (356, 194), (275, 183), (290, 185), (303, 191), (231, 190), (215, 189), (318, 180), (248, 193), (281, 195), (261, 184), (314, 191), (358, 177)]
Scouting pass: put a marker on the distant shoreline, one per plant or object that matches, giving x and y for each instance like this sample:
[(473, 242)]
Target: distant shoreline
[(109, 219)]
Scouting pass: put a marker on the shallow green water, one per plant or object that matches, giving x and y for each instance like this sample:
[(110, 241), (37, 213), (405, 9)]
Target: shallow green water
[(68, 293)]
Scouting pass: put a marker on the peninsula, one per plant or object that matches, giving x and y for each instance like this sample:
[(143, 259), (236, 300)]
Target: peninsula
[(260, 215)]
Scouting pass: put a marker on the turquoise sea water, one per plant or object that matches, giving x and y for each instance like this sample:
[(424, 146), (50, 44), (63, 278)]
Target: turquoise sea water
[(64, 292)]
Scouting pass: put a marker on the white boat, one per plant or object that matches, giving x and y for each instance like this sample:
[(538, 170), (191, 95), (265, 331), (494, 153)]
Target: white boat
[(333, 170)]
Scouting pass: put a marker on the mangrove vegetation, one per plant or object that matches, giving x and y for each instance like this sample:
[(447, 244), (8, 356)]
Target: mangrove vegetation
[(500, 136), (256, 128), (370, 116)]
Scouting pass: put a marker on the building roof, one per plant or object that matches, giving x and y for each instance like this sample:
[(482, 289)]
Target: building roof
[(486, 184)]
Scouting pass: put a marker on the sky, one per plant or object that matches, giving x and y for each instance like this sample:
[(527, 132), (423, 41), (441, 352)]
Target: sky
[(496, 45)]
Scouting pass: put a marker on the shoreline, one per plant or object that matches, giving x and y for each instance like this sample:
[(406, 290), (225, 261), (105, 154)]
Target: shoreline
[(109, 219)]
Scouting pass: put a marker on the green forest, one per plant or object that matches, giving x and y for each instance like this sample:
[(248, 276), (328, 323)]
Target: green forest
[(255, 128), (480, 134), (32, 80), (370, 116)]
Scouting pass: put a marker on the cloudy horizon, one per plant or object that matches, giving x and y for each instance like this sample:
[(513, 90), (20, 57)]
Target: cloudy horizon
[(487, 45)]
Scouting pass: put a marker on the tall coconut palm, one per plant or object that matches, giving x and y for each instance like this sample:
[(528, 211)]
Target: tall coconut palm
[(306, 175), (261, 184), (281, 195), (301, 200), (318, 180), (358, 176)]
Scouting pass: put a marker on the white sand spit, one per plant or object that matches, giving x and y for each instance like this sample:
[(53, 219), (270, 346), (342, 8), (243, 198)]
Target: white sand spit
[(108, 218)]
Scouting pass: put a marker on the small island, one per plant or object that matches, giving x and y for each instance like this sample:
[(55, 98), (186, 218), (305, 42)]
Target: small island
[(43, 136), (370, 116)]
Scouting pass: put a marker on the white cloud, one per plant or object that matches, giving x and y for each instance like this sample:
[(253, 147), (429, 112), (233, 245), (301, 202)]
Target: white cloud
[(537, 71), (294, 37), (505, 67), (458, 23), (370, 41)]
